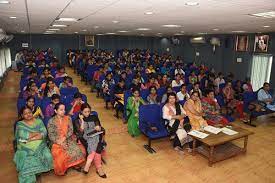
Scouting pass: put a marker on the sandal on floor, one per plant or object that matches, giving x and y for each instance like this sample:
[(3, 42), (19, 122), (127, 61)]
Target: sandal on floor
[(84, 172), (104, 176)]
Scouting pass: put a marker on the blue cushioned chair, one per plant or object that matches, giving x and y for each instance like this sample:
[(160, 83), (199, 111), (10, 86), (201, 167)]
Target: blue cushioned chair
[(250, 108), (150, 116), (68, 91)]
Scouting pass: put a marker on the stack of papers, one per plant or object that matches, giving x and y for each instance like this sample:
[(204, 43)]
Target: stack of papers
[(198, 134), (212, 129), (228, 131)]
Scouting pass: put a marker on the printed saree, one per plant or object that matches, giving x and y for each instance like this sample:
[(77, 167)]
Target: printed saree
[(31, 157), (66, 151)]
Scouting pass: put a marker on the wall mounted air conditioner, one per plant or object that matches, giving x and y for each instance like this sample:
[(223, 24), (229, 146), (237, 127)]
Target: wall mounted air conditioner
[(197, 40)]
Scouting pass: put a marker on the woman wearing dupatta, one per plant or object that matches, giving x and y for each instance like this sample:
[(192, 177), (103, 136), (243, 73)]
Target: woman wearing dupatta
[(32, 155), (132, 108), (194, 111), (212, 109), (66, 151), (178, 127)]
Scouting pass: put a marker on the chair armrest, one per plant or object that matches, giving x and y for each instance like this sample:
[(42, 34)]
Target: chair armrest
[(261, 103)]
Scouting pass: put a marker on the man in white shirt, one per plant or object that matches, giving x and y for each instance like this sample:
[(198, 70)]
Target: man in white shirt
[(179, 70), (183, 94), (264, 96), (219, 80), (177, 81)]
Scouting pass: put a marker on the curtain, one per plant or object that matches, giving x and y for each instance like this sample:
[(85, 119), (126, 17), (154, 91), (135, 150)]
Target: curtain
[(260, 70)]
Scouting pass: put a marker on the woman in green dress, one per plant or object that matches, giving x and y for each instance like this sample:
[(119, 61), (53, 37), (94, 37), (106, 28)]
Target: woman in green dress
[(132, 108), (32, 155)]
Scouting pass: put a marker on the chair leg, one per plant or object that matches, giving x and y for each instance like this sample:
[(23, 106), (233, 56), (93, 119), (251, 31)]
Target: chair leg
[(148, 147), (250, 121)]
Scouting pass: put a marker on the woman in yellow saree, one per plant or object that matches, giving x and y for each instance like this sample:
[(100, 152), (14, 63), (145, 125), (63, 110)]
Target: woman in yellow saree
[(194, 111)]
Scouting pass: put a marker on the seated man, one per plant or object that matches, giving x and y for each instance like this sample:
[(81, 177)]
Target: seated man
[(265, 96), (119, 97), (177, 81), (183, 94)]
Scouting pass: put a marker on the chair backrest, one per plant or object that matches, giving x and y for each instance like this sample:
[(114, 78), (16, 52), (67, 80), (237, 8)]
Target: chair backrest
[(68, 91), (58, 81), (144, 94), (176, 89), (150, 115), (20, 103), (182, 102), (44, 103), (90, 71), (220, 100), (189, 87), (161, 91)]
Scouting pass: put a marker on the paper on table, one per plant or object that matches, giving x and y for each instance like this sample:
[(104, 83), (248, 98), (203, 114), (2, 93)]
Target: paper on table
[(212, 129), (198, 134), (228, 131)]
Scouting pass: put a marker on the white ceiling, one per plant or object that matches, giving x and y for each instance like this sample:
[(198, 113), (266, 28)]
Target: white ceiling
[(225, 15)]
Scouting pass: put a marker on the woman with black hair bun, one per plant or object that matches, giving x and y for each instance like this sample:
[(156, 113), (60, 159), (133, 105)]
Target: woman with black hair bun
[(66, 151)]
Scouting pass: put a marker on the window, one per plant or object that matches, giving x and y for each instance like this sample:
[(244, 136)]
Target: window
[(260, 70)]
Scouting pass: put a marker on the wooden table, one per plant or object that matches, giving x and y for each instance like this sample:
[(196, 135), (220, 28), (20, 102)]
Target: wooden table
[(218, 147)]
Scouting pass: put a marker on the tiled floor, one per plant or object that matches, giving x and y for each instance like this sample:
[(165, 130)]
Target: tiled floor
[(127, 160)]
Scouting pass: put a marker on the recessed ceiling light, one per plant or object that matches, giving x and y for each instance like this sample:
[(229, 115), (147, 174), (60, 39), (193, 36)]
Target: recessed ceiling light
[(13, 17), (123, 31), (22, 31), (143, 29), (49, 31), (115, 21), (159, 33), (110, 33), (84, 30), (198, 38), (216, 29), (269, 14), (149, 13), (192, 3), (266, 26), (238, 31), (178, 34), (59, 25), (96, 27), (142, 34), (76, 32), (202, 33), (67, 19), (99, 34), (4, 2), (171, 26), (181, 31), (53, 29)]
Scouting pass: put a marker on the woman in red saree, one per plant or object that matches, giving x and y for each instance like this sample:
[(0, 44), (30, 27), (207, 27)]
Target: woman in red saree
[(65, 150), (212, 109)]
